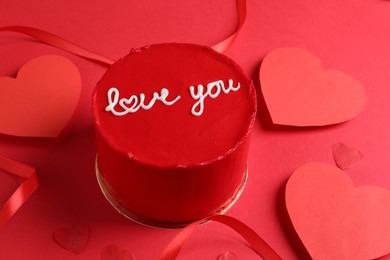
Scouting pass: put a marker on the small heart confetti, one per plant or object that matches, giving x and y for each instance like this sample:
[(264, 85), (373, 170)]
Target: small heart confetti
[(227, 256), (73, 238), (112, 252), (345, 156)]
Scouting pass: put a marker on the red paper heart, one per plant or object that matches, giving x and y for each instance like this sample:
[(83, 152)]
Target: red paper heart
[(112, 252), (73, 238), (42, 99), (334, 219), (345, 156), (298, 92)]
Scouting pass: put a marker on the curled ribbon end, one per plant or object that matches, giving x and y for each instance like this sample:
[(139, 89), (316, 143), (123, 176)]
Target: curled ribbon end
[(21, 194), (254, 240)]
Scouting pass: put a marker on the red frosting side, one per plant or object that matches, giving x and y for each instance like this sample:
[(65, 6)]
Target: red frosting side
[(176, 158)]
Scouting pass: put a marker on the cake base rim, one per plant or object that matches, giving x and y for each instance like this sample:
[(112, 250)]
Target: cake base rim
[(164, 225)]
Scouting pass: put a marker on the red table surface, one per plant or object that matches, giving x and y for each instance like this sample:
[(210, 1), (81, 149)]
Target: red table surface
[(348, 35)]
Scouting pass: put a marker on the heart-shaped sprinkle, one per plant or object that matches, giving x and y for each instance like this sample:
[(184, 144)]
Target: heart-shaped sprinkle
[(345, 156), (333, 218), (113, 252), (73, 238), (299, 92), (42, 99), (227, 256)]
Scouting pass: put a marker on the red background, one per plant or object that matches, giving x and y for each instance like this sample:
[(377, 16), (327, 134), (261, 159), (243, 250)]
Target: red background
[(348, 35)]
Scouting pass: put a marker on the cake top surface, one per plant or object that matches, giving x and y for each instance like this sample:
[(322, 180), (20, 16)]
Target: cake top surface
[(174, 105)]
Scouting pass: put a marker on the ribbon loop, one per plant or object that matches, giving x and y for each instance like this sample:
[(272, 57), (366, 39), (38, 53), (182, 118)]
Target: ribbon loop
[(255, 241), (20, 195), (223, 45), (59, 42)]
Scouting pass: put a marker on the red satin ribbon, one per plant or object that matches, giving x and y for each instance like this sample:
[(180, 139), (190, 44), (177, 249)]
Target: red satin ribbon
[(59, 42), (25, 190), (241, 12), (256, 242)]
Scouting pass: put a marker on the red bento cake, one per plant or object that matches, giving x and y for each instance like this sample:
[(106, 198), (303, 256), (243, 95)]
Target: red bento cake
[(173, 125)]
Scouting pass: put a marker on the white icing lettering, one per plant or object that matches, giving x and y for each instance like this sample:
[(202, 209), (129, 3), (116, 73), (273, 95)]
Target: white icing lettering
[(213, 90), (133, 103)]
